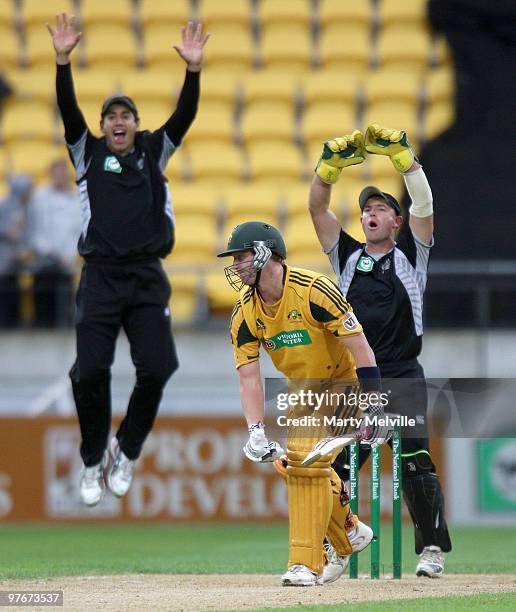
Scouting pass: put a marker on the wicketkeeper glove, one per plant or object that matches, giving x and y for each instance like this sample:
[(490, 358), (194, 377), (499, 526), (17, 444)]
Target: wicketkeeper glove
[(258, 448), (394, 143), (339, 153)]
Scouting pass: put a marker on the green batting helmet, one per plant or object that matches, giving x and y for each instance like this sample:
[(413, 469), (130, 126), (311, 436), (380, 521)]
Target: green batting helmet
[(244, 236)]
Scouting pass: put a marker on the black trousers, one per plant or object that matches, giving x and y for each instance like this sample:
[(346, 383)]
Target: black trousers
[(134, 297), (421, 486)]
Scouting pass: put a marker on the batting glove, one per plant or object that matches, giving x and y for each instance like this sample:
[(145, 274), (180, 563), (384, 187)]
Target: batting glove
[(262, 254), (258, 448), (394, 143), (374, 431), (339, 153)]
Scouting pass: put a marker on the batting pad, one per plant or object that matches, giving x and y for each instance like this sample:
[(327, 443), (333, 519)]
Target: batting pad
[(341, 519), (309, 509)]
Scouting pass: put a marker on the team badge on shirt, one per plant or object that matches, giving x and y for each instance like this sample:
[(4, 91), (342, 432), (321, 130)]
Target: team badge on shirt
[(365, 264), (111, 164), (350, 322), (294, 315)]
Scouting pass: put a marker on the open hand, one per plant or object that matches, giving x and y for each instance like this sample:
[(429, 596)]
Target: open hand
[(192, 46), (66, 36)]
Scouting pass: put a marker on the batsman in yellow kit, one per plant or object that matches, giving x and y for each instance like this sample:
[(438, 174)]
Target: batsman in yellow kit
[(303, 322)]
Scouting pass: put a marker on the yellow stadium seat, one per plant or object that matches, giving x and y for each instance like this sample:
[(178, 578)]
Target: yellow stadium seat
[(393, 87), (221, 296), (353, 13), (268, 161), (216, 162), (326, 86), (39, 51), (214, 122), (395, 115), (196, 240), (406, 14), (354, 228), (230, 48), (158, 52), (101, 12), (35, 13), (10, 48), (220, 88), (172, 14), (294, 199), (94, 86), (28, 121), (439, 86), (268, 87), (110, 47), (186, 290), (176, 169), (29, 85), (251, 202), (302, 243), (149, 85), (215, 12), (438, 118), (196, 199), (153, 113), (7, 14), (91, 112), (272, 12), (238, 218), (325, 120), (345, 192), (404, 49), (287, 48), (441, 53), (377, 168), (345, 48), (273, 123), (34, 158)]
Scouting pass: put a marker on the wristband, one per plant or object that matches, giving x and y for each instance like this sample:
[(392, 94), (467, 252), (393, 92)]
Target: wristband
[(369, 378)]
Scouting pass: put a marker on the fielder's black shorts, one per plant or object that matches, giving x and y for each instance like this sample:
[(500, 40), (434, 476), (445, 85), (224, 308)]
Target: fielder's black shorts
[(133, 297)]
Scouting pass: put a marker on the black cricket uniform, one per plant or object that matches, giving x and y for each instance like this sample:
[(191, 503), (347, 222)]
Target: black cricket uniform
[(386, 293), (128, 225)]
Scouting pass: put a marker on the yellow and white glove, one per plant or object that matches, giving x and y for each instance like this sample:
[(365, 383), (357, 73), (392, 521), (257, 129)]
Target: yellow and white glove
[(394, 143), (339, 153)]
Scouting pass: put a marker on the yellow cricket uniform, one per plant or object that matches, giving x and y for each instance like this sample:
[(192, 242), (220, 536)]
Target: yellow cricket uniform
[(303, 336)]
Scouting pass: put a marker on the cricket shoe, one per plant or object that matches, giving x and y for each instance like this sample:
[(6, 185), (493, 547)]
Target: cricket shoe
[(121, 473), (431, 562), (91, 484), (359, 539), (300, 575)]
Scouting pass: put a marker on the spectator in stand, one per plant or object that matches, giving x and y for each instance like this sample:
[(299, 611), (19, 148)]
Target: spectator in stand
[(12, 225), (54, 227)]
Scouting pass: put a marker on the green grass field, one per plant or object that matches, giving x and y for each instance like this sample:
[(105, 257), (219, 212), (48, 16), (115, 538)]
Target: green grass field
[(486, 603), (69, 550)]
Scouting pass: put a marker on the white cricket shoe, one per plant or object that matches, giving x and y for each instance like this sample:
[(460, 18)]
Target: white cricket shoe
[(336, 565), (359, 539), (121, 473), (300, 575), (431, 562), (91, 484)]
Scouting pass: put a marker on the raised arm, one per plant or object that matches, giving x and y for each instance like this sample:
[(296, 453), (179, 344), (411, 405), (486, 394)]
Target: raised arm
[(337, 154), (191, 51), (394, 143), (65, 38)]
